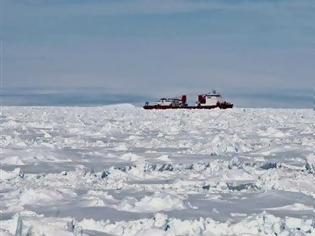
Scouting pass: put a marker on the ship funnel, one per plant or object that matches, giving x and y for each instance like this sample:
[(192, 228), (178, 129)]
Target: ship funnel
[(184, 99)]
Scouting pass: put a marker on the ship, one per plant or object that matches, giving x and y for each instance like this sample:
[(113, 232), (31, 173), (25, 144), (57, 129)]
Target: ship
[(205, 101)]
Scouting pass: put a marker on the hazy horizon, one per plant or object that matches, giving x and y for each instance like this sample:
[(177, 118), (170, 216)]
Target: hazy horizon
[(102, 96)]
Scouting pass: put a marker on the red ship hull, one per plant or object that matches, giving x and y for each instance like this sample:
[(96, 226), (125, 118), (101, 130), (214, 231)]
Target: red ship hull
[(159, 107)]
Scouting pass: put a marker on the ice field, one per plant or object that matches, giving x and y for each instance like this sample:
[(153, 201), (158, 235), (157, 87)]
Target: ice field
[(122, 170)]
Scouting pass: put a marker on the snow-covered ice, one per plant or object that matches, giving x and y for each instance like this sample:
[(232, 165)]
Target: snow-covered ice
[(122, 170)]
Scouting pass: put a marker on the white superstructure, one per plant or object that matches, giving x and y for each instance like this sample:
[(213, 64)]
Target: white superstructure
[(210, 99), (173, 102)]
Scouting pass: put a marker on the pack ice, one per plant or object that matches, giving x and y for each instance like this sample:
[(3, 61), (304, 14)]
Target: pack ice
[(122, 170)]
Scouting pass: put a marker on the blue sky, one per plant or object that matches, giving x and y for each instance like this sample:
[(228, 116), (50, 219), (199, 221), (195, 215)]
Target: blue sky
[(159, 47)]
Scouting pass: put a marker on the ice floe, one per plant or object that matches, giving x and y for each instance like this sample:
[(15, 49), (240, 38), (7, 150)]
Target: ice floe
[(122, 170)]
